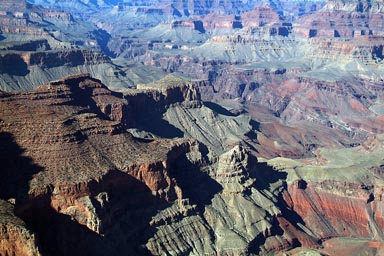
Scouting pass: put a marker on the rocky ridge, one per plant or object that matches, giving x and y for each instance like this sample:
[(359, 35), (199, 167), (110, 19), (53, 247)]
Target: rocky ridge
[(310, 90), (73, 147), (39, 45), (89, 130)]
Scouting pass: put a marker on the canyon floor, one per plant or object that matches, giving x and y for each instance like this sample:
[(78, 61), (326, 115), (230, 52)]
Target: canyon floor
[(192, 128)]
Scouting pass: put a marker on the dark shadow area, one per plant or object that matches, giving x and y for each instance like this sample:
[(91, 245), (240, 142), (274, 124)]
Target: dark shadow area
[(371, 198), (237, 24), (252, 133), (176, 12), (196, 184), (302, 184), (240, 90), (301, 11), (273, 31), (143, 111), (377, 53), (283, 31), (103, 37), (259, 240), (218, 109), (255, 125), (146, 113), (265, 176), (125, 211), (280, 71), (360, 7), (51, 59), (59, 235), (31, 45), (199, 26), (154, 123), (13, 64), (16, 170), (82, 96), (312, 33)]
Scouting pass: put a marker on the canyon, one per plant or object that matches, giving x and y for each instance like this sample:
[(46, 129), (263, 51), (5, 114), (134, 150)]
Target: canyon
[(73, 148), (191, 127)]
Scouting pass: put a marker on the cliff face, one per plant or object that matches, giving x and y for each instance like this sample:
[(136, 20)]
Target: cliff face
[(15, 238), (73, 173), (72, 125), (355, 29), (331, 209), (52, 59), (68, 161), (158, 171), (22, 70), (331, 205)]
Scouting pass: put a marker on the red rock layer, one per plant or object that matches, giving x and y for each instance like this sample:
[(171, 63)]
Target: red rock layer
[(334, 209), (66, 153)]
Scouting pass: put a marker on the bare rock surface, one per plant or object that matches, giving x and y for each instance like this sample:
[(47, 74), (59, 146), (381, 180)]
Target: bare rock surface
[(15, 237), (266, 138)]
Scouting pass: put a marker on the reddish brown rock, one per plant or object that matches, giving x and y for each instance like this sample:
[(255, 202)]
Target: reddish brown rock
[(77, 159), (15, 238), (334, 209), (260, 16)]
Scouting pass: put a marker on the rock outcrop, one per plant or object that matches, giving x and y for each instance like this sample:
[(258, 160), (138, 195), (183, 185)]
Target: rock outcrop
[(67, 130), (15, 237), (337, 198), (171, 166), (80, 164)]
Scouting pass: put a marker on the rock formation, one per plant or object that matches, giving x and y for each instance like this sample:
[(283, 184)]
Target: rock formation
[(15, 238), (13, 5), (68, 160), (74, 172), (266, 138)]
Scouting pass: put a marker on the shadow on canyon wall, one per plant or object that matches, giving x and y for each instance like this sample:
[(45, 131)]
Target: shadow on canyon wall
[(130, 207), (125, 218), (16, 170), (13, 65), (265, 176)]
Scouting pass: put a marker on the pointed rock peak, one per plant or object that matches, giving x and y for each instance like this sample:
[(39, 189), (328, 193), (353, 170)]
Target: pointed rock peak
[(233, 170), (237, 153), (235, 160)]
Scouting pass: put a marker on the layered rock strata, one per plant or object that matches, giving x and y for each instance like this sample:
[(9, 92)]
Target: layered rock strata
[(73, 172)]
